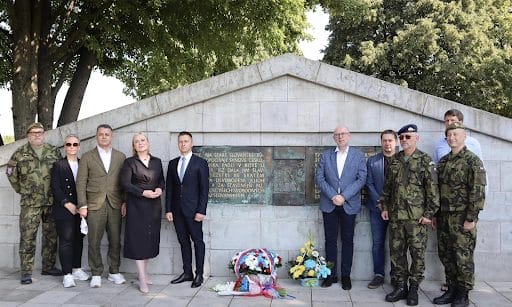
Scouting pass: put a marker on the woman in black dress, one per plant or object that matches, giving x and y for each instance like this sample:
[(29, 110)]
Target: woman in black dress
[(65, 213), (142, 178)]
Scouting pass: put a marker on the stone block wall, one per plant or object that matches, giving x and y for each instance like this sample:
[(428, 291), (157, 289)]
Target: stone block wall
[(288, 101)]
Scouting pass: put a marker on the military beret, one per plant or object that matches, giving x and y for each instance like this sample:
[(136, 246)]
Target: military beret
[(408, 128), (34, 125), (453, 126)]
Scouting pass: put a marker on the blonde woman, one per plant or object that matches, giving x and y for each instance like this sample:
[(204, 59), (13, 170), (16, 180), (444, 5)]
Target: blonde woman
[(143, 181)]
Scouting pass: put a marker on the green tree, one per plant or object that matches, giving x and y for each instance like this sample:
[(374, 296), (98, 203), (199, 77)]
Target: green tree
[(458, 50), (151, 45)]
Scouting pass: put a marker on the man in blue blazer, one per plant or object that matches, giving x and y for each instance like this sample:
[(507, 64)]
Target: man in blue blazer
[(340, 176), (185, 205), (377, 167)]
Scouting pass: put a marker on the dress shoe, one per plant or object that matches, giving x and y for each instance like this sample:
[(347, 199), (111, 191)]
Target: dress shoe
[(399, 293), (377, 281), (346, 283), (447, 298), (53, 271), (182, 278), (198, 281), (412, 296), (26, 279), (326, 283)]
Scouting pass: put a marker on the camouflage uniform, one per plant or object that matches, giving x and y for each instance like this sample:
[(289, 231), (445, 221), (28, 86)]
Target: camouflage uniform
[(462, 191), (29, 175), (410, 192)]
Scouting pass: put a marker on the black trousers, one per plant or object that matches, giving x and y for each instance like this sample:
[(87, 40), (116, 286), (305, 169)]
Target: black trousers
[(188, 229), (71, 243)]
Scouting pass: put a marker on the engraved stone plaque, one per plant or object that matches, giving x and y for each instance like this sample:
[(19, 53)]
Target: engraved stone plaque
[(238, 174), (281, 176)]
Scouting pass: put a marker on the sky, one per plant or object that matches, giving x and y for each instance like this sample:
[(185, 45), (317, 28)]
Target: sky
[(106, 93)]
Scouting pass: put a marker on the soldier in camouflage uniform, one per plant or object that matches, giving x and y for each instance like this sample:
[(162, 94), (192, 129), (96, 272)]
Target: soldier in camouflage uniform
[(409, 200), (28, 171), (462, 191)]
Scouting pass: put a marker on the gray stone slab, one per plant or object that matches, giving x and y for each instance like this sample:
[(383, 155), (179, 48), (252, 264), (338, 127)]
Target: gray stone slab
[(289, 64), (165, 301), (501, 286), (54, 296), (97, 298), (290, 117), (480, 298), (18, 295), (329, 295)]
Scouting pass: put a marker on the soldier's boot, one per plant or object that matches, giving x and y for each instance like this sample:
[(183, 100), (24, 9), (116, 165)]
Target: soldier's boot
[(412, 295), (461, 299), (399, 293), (447, 297)]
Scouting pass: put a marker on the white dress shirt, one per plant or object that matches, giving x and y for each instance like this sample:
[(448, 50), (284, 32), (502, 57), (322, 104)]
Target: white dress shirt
[(187, 160), (341, 157), (106, 156)]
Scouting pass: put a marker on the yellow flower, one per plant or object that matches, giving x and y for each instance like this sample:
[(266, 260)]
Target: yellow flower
[(299, 259), (311, 273), (302, 250)]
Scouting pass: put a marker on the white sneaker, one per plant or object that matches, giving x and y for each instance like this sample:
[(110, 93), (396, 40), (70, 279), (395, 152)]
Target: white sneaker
[(96, 282), (80, 274), (116, 278), (68, 281)]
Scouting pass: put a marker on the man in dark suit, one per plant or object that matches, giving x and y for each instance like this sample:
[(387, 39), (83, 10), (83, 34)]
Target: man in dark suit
[(101, 200), (340, 175), (377, 168), (185, 205)]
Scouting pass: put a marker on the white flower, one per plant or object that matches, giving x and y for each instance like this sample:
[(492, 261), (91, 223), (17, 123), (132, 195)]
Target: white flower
[(315, 254), (224, 287), (252, 262)]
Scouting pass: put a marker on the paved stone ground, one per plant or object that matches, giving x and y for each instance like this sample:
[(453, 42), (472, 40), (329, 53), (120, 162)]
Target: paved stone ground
[(48, 291)]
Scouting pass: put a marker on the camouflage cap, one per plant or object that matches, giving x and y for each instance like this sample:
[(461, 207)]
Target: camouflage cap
[(408, 128), (456, 125), (33, 126)]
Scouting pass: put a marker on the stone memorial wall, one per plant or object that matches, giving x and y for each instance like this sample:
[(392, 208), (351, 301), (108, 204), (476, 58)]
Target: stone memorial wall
[(279, 175)]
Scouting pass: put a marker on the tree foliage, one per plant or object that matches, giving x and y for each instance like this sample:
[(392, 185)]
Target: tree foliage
[(151, 45), (458, 50)]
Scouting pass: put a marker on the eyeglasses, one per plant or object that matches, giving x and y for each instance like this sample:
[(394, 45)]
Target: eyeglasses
[(72, 144), (36, 133), (336, 135), (405, 136)]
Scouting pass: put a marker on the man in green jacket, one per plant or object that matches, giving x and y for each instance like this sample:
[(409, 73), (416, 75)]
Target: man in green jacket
[(462, 183), (409, 200), (29, 171)]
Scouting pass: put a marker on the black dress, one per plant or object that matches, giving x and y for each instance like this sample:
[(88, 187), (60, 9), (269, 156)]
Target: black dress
[(143, 215)]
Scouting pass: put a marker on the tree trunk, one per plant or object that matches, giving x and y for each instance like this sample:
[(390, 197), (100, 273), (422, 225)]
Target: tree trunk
[(24, 85), (76, 91), (46, 102)]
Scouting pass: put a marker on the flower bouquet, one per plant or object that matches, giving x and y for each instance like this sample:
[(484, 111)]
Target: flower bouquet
[(255, 270), (309, 266)]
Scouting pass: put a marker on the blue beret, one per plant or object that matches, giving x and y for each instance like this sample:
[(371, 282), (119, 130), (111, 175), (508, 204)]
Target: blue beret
[(408, 128)]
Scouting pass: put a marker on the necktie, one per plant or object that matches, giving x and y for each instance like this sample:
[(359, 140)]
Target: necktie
[(182, 169)]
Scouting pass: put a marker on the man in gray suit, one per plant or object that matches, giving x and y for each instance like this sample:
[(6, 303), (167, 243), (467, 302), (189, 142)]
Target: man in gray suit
[(100, 199), (340, 176)]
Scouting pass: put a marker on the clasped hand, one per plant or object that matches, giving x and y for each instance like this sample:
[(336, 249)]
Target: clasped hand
[(152, 194), (338, 200)]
